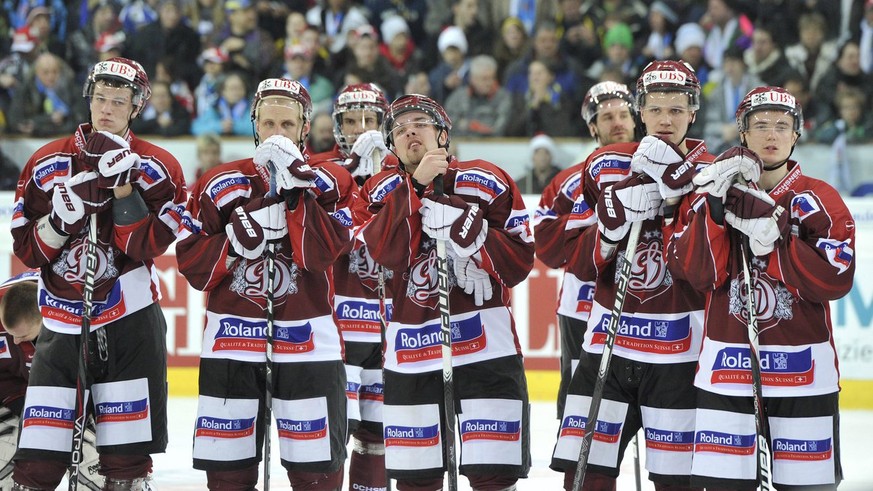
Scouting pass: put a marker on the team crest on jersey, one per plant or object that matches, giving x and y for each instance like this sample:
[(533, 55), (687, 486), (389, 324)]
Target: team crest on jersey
[(604, 431), (251, 281), (51, 171), (803, 205), (224, 428), (71, 265), (423, 279), (307, 429), (733, 365), (724, 443), (671, 441), (649, 335), (115, 412), (363, 265), (490, 429), (773, 302), (840, 254), (612, 167), (385, 186), (483, 185), (411, 436), (802, 450), (54, 417), (649, 274), (228, 187), (150, 174), (294, 339)]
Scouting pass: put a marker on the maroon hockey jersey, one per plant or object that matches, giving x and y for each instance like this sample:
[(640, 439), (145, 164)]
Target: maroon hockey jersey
[(15, 359)]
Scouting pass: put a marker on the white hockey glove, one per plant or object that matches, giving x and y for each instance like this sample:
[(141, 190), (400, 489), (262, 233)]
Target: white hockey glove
[(664, 162), (735, 162), (754, 213), (452, 219), (633, 199), (112, 157), (285, 162), (367, 146), (74, 200), (253, 225), (473, 280)]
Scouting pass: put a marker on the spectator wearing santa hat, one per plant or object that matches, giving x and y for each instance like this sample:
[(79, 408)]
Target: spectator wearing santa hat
[(451, 72), (366, 65), (16, 68), (397, 46)]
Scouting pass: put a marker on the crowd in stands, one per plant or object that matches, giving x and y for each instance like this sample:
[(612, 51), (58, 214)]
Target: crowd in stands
[(514, 68)]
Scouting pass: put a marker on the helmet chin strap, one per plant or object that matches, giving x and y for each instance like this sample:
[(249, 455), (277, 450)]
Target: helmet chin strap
[(777, 165)]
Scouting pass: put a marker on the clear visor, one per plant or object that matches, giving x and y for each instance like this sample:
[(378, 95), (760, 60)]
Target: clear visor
[(416, 124), (772, 120)]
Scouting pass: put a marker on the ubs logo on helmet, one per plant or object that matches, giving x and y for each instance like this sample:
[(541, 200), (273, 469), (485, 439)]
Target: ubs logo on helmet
[(291, 86), (658, 77), (773, 97), (115, 69)]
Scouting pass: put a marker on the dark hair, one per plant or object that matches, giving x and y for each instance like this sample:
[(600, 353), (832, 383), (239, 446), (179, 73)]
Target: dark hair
[(19, 303)]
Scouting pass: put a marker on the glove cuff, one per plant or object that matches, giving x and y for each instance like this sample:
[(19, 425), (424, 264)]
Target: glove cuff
[(477, 244)]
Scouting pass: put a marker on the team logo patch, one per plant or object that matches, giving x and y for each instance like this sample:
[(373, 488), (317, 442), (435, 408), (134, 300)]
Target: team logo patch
[(574, 425), (384, 187), (322, 182), (802, 450), (343, 216), (543, 213), (411, 436), (358, 316), (114, 412), (773, 98), (608, 164), (224, 428), (671, 441), (293, 339), (569, 187), (4, 348), (804, 205), (150, 174), (518, 223), (372, 392), (647, 335), (477, 183), (307, 429), (236, 334), (839, 254), (490, 429), (585, 297), (68, 312), (581, 216), (18, 214), (48, 173), (413, 345), (352, 390), (724, 443), (662, 77), (55, 417), (778, 368), (229, 187)]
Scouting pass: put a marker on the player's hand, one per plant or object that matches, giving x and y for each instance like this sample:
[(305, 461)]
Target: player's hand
[(473, 279), (633, 199), (434, 163), (735, 162), (254, 224), (112, 157), (452, 219), (74, 200), (664, 162), (754, 213), (367, 146)]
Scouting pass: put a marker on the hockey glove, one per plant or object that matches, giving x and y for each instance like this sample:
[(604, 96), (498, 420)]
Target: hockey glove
[(111, 156), (360, 163), (253, 225), (473, 279), (664, 162), (452, 219), (754, 213), (74, 200), (633, 199), (733, 164)]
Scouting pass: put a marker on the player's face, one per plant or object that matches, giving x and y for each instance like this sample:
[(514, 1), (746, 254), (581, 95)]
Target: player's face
[(356, 122), (414, 134), (614, 122), (771, 135), (280, 116), (667, 115), (24, 331), (111, 108)]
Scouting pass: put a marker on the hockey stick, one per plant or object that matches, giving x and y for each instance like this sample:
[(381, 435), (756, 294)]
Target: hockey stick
[(606, 357), (82, 372), (268, 351), (761, 425), (446, 337), (637, 475)]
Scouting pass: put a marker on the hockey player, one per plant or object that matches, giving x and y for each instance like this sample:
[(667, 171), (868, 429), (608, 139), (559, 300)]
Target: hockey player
[(357, 116), (485, 225), (19, 317), (243, 214), (133, 193), (649, 383), (608, 110), (797, 237)]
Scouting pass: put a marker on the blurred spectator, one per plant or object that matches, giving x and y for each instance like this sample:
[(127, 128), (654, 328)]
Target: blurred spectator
[(798, 86), (617, 53), (397, 46), (543, 157), (482, 107), (544, 107), (511, 45), (9, 173), (529, 12), (205, 17), (417, 83), (449, 74), (865, 37), (853, 119), (138, 13), (845, 73), (231, 114), (81, 44), (273, 14), (45, 105), (479, 36), (295, 26), (212, 61), (109, 45), (413, 13), (321, 137), (765, 59), (545, 48), (34, 12), (607, 12), (163, 115), (722, 95), (578, 32), (208, 153), (366, 63), (16, 68), (336, 19), (690, 39), (727, 27), (662, 32), (166, 71), (249, 47), (167, 37), (439, 15), (813, 56), (298, 66)]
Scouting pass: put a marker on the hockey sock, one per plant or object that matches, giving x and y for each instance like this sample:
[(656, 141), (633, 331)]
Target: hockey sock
[(367, 467), (420, 484), (123, 467), (491, 482), (238, 480), (316, 481), (39, 474), (593, 481), (673, 487)]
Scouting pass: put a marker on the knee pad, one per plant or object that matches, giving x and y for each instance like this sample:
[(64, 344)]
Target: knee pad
[(136, 484), (316, 481), (367, 467), (238, 480), (367, 448), (38, 474), (125, 467)]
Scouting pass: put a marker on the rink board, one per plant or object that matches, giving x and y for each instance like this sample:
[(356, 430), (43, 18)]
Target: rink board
[(534, 303)]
